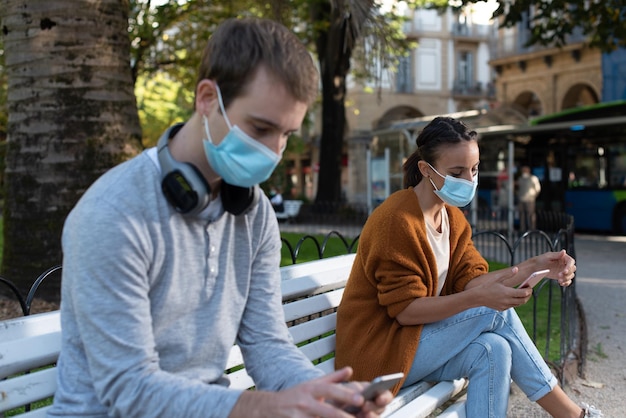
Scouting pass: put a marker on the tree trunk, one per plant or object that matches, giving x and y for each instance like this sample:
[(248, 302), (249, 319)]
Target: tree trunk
[(334, 58), (72, 116)]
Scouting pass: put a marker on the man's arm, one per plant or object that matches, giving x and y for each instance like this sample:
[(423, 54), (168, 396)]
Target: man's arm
[(263, 335)]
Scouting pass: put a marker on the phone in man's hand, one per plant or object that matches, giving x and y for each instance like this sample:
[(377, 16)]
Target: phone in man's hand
[(377, 387)]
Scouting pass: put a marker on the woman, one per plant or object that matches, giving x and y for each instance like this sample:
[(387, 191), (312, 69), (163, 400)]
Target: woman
[(420, 299)]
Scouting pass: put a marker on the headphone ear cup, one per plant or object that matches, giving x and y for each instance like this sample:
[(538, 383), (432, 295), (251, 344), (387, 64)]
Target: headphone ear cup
[(239, 200), (182, 183), (185, 189)]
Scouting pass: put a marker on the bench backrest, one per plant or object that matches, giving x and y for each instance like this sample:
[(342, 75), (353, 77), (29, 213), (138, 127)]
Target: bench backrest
[(311, 293), (292, 207), (26, 344)]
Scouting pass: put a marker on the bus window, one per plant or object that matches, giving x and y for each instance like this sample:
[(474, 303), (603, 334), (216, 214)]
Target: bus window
[(617, 159), (585, 170)]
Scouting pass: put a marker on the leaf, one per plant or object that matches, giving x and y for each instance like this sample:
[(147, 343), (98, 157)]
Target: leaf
[(591, 384)]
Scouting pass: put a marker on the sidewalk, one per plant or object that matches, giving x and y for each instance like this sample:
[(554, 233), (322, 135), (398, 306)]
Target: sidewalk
[(601, 288)]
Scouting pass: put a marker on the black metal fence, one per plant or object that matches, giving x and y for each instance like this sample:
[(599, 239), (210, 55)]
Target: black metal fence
[(26, 302), (562, 323)]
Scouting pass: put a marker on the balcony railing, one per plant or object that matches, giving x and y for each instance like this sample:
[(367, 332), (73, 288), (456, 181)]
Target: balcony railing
[(473, 89)]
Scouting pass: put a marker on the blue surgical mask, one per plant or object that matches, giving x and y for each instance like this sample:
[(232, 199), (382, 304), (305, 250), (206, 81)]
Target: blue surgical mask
[(239, 159), (456, 192)]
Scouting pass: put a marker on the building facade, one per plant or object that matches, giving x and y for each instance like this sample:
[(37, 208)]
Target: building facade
[(540, 80), (447, 72)]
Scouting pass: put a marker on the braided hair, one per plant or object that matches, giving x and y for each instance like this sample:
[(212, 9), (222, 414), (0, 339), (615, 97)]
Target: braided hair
[(440, 133)]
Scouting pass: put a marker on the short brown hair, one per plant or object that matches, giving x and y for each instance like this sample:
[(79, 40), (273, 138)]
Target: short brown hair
[(238, 47)]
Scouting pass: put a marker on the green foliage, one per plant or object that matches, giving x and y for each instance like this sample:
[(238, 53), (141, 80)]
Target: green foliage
[(553, 20), (161, 103), (170, 37), (382, 43)]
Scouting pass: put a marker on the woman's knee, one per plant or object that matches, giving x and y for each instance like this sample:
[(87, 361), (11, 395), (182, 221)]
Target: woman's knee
[(493, 349)]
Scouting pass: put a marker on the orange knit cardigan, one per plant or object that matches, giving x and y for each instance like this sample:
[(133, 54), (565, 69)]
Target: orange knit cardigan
[(394, 265)]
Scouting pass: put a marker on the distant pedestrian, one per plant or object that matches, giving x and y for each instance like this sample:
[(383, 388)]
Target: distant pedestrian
[(528, 188), (276, 198), (502, 193)]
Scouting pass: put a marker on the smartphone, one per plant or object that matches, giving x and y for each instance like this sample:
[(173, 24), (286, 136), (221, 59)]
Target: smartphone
[(377, 387), (381, 384), (534, 278)]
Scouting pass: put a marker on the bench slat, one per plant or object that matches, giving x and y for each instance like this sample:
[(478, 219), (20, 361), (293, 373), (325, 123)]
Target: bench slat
[(317, 276), (319, 348), (313, 305), (235, 358), (425, 404), (26, 326), (240, 380), (327, 366), (456, 410), (30, 353), (27, 388), (313, 328), (406, 395)]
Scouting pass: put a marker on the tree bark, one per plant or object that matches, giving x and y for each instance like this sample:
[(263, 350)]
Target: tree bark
[(72, 116), (334, 54)]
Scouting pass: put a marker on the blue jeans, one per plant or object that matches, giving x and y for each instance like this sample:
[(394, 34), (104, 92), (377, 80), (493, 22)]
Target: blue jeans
[(490, 348)]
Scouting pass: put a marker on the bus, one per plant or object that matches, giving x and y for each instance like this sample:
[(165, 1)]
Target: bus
[(578, 154)]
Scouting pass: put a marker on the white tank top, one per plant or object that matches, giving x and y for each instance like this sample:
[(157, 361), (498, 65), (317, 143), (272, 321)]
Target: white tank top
[(440, 244)]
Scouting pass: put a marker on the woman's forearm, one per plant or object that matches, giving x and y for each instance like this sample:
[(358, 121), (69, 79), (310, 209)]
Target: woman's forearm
[(426, 310)]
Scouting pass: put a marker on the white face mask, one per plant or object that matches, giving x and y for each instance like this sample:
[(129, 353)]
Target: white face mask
[(239, 159), (456, 192)]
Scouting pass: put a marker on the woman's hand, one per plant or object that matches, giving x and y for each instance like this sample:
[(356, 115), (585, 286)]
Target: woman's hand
[(496, 293), (562, 266)]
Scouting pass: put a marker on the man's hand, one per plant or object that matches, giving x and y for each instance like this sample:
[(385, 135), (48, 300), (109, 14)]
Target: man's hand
[(323, 397)]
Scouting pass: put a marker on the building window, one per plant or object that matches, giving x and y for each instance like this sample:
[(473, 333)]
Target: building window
[(404, 75), (465, 71)]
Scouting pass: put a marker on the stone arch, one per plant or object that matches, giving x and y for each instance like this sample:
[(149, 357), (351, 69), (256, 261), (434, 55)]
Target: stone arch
[(579, 94), (528, 103), (397, 113)]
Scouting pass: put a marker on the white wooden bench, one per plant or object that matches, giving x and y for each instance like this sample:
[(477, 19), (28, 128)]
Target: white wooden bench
[(311, 292), (291, 210)]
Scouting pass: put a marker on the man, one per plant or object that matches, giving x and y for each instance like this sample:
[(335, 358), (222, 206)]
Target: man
[(276, 199), (173, 256), (528, 188)]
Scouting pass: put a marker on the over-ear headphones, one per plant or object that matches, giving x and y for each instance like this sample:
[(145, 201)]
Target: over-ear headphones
[(186, 189)]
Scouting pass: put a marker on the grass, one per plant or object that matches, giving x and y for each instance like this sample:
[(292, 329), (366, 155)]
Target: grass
[(598, 352), (308, 251)]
